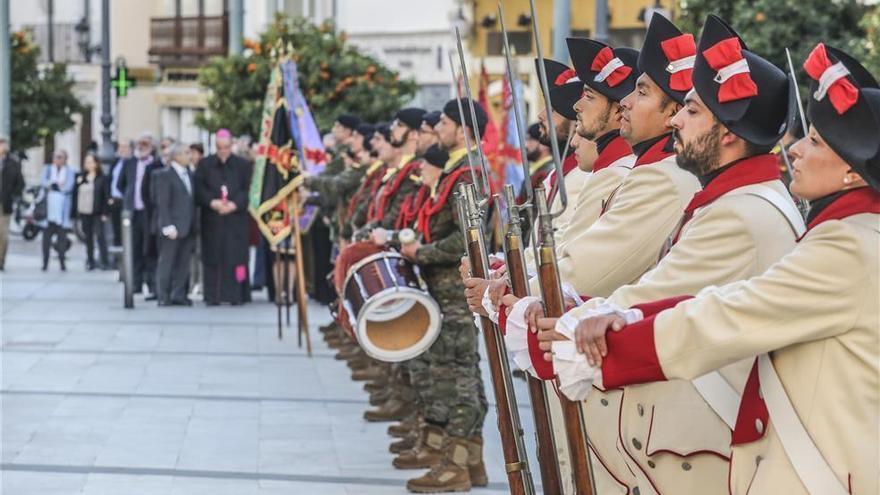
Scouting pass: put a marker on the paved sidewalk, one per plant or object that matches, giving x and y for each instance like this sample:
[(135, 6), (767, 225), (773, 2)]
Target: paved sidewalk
[(97, 399)]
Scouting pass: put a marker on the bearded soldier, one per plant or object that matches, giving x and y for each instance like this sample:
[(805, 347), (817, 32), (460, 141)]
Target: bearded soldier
[(808, 419)]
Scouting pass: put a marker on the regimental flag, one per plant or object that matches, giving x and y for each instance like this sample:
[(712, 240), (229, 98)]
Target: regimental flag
[(277, 168), (312, 153), (513, 172)]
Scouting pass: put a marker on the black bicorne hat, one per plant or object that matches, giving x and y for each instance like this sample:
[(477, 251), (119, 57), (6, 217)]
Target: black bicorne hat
[(843, 107), (431, 118), (411, 117), (749, 95), (348, 120), (565, 87), (451, 110), (667, 57), (611, 72)]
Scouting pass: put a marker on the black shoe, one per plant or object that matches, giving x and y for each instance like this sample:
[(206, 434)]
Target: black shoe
[(164, 303), (151, 297), (184, 302), (63, 266)]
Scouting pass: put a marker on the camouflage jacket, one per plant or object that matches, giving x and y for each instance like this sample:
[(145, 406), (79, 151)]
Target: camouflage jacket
[(439, 259), (359, 205), (393, 193)]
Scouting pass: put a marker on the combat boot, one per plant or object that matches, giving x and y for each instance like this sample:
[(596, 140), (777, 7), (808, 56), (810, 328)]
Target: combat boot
[(359, 363), (380, 396), (427, 451), (328, 328), (403, 444), (375, 386), (369, 373), (476, 467), (407, 426), (349, 352), (450, 474), (392, 410)]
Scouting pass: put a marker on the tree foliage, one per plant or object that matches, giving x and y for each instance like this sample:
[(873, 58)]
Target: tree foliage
[(43, 102), (770, 26), (334, 76)]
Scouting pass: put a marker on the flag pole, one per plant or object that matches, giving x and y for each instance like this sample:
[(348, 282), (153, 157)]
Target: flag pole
[(301, 299)]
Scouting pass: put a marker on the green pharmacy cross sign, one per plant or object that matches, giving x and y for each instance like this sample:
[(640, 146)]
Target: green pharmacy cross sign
[(121, 82)]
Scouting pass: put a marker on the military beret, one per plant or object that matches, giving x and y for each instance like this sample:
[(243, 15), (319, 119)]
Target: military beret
[(431, 118), (451, 111), (436, 156), (348, 120), (411, 117)]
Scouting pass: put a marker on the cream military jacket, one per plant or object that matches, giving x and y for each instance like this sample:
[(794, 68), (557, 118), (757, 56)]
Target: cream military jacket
[(669, 436), (816, 313)]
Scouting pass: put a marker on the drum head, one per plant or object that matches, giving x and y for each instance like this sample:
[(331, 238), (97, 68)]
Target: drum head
[(398, 325)]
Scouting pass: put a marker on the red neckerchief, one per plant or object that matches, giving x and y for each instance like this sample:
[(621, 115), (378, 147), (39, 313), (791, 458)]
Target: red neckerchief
[(411, 206), (751, 170), (861, 200), (391, 188), (570, 163), (615, 150), (655, 153), (374, 188), (434, 205), (367, 183)]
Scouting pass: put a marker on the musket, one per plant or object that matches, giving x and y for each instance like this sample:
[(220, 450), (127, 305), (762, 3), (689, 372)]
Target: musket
[(514, 255), (802, 204), (551, 286), (509, 425)]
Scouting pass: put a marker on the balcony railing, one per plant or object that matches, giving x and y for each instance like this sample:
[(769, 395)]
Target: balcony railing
[(187, 41)]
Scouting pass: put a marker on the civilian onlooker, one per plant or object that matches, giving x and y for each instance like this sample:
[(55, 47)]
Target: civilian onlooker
[(58, 178), (90, 207), (11, 186), (175, 214), (124, 158), (222, 182), (131, 183), (196, 153), (151, 238)]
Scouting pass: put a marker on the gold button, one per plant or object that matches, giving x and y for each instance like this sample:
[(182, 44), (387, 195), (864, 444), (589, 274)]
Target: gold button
[(604, 402), (686, 466), (637, 444), (641, 410), (759, 426), (651, 464)]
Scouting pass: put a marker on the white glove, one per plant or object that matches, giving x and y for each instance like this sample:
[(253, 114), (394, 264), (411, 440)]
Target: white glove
[(490, 308), (170, 231)]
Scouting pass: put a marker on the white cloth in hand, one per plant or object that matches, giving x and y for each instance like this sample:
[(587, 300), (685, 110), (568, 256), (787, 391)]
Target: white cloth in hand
[(516, 336)]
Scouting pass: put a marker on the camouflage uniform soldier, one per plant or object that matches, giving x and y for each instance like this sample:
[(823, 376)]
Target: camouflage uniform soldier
[(455, 406)]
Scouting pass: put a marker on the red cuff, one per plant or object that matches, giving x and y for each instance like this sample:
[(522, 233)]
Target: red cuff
[(632, 357), (544, 369), (654, 307), (502, 319)]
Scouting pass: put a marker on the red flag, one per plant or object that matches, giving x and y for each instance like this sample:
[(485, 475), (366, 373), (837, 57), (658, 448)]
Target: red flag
[(492, 143)]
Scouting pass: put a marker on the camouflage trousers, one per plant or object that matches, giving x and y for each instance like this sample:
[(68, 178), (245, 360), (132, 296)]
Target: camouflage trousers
[(447, 376)]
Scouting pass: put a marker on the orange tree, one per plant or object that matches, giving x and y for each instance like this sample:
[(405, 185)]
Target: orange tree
[(43, 102), (335, 77)]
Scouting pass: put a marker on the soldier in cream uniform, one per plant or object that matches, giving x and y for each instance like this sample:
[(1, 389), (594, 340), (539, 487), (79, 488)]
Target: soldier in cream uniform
[(624, 242), (675, 436), (810, 412)]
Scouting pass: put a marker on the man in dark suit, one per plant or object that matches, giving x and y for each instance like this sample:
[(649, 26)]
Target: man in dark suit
[(11, 186), (134, 184), (172, 189), (124, 160)]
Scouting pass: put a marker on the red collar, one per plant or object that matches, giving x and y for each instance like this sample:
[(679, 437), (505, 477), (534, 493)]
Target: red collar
[(861, 200), (615, 150), (655, 153), (752, 170), (570, 163)]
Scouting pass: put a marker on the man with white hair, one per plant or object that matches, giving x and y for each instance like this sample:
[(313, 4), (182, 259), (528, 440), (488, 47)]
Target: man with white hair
[(175, 219)]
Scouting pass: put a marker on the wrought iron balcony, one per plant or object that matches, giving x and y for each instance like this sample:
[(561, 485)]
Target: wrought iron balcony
[(187, 41)]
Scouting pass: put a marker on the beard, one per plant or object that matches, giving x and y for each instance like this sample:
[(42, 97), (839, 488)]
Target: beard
[(533, 155), (399, 144), (592, 132), (702, 155)]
